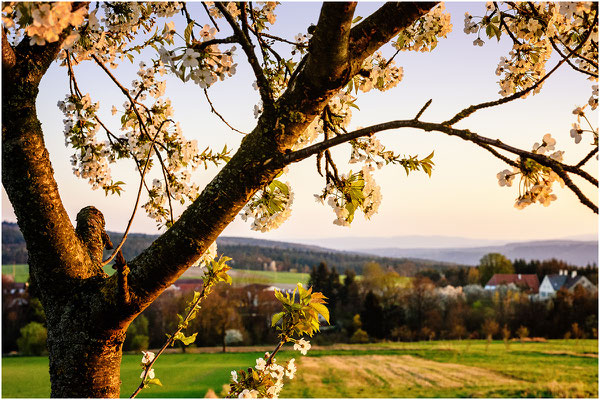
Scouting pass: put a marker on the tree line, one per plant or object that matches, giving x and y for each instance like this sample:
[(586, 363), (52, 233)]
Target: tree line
[(378, 305)]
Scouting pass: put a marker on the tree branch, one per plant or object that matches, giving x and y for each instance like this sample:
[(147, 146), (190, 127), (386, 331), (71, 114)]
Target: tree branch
[(558, 167), (9, 58), (264, 87), (377, 29), (587, 158), (471, 109), (214, 111), (328, 51)]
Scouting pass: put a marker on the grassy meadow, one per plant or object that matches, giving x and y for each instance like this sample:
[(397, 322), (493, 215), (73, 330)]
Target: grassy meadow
[(19, 271), (240, 276), (557, 368)]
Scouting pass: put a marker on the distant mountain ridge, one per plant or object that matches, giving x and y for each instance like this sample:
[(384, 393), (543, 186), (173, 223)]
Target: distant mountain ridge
[(247, 253), (254, 253), (580, 253)]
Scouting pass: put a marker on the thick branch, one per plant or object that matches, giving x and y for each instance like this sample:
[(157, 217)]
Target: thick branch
[(328, 52), (377, 29), (90, 229), (9, 58), (28, 177)]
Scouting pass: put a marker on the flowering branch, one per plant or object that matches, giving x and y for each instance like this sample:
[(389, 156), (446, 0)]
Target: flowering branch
[(299, 316), (264, 87), (216, 272), (471, 109), (558, 167)]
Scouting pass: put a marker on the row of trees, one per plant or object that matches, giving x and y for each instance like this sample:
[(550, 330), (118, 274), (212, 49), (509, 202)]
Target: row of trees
[(495, 263), (386, 307), (379, 305)]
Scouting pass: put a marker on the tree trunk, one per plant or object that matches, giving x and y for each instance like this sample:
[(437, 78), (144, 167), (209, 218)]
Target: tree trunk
[(84, 364)]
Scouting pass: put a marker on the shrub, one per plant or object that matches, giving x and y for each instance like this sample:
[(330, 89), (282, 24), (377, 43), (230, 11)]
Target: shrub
[(359, 336), (233, 336), (33, 339), (139, 342)]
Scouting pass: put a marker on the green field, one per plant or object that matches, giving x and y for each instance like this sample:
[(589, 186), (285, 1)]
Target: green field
[(241, 277), (245, 277), (557, 368), (19, 271)]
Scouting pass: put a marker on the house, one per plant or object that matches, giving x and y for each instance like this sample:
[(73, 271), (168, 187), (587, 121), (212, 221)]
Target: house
[(553, 283), (526, 282)]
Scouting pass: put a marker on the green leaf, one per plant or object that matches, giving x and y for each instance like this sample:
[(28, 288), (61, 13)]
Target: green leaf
[(355, 20), (155, 381), (321, 309), (276, 318), (187, 34), (489, 30), (186, 340)]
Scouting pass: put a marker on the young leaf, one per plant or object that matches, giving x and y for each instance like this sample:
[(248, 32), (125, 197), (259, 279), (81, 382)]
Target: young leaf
[(188, 33), (276, 318), (155, 381)]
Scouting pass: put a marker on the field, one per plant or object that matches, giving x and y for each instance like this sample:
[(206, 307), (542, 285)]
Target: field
[(240, 276), (557, 368), (20, 271)]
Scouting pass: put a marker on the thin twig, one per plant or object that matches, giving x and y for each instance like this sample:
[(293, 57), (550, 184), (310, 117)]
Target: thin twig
[(169, 341), (210, 16), (137, 200), (165, 173), (188, 18), (212, 108), (471, 109), (423, 109), (264, 87), (587, 158)]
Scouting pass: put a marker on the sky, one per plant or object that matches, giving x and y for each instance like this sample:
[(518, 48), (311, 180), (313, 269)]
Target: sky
[(462, 197)]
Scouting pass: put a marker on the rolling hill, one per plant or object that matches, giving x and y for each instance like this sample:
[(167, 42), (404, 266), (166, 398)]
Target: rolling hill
[(247, 253)]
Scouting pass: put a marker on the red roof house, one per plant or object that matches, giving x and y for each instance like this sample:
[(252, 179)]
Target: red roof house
[(527, 282)]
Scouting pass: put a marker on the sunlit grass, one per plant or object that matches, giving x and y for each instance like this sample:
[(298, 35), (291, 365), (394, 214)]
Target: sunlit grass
[(557, 368)]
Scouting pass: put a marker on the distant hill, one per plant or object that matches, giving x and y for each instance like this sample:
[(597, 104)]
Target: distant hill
[(580, 253), (246, 253)]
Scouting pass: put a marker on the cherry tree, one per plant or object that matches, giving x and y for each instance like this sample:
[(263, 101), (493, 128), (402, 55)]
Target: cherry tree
[(307, 97)]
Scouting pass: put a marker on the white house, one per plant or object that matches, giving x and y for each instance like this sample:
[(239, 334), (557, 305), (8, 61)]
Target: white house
[(553, 283)]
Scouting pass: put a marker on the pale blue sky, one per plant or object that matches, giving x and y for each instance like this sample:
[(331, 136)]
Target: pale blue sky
[(462, 198)]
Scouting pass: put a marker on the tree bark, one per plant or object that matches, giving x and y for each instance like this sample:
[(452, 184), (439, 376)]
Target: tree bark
[(85, 360)]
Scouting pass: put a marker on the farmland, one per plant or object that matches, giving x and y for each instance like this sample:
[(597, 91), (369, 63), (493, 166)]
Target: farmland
[(242, 277), (557, 368)]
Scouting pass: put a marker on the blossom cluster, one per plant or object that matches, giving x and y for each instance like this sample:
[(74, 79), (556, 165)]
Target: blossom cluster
[(536, 180), (92, 156), (147, 359), (382, 74), (201, 63), (535, 29), (265, 380), (577, 128), (353, 191), (269, 207), (44, 22), (424, 33)]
